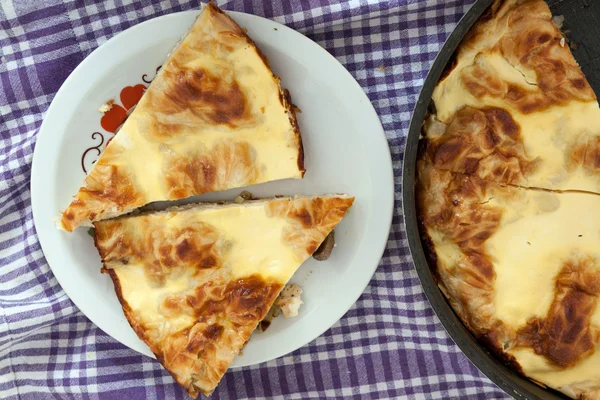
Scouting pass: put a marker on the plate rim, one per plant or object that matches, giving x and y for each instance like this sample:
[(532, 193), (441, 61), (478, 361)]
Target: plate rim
[(388, 207)]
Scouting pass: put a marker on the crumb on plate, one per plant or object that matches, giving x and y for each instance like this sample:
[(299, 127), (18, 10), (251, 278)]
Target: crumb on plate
[(106, 106), (289, 300)]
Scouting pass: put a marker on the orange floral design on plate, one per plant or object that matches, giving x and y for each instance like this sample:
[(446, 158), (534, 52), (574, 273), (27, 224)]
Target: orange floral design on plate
[(113, 118)]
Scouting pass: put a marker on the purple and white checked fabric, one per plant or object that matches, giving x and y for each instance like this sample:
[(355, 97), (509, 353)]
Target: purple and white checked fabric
[(389, 345)]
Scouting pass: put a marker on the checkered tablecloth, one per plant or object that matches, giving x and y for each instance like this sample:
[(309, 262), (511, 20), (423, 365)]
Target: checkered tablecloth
[(389, 345)]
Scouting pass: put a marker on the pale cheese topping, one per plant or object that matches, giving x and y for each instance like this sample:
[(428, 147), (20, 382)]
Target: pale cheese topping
[(538, 234), (254, 238), (214, 118), (528, 254), (145, 299), (250, 244), (539, 231), (448, 253), (270, 138), (537, 367)]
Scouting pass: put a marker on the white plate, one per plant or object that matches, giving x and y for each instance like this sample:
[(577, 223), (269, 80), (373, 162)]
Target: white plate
[(346, 152)]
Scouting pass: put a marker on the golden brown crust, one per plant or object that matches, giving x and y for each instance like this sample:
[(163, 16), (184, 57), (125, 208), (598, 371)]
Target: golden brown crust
[(200, 172), (311, 219), (284, 95), (483, 142), (188, 286), (107, 190), (225, 312), (242, 303), (513, 89), (203, 97), (451, 204), (514, 63), (566, 336), (286, 100), (206, 107), (585, 152), (238, 306), (524, 34), (192, 246), (456, 209)]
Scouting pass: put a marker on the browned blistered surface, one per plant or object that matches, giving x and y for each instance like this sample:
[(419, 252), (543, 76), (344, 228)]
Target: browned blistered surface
[(225, 315), (483, 142), (109, 185), (199, 172), (566, 335), (454, 205), (513, 113), (513, 106), (208, 98), (523, 33), (214, 118), (311, 220), (192, 246), (459, 216), (195, 282)]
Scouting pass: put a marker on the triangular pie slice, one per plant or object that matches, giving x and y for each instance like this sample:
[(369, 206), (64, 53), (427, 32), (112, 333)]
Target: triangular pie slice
[(514, 106), (214, 118), (194, 282)]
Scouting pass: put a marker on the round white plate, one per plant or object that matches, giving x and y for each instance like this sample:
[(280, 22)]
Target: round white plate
[(346, 152)]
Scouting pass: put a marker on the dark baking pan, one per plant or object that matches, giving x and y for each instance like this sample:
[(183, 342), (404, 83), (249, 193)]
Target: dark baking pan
[(582, 27)]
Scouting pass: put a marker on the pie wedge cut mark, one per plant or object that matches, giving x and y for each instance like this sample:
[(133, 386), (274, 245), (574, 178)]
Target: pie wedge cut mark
[(214, 118), (514, 106), (194, 282)]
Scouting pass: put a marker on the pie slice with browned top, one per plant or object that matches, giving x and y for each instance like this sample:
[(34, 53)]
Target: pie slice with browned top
[(214, 118), (521, 268), (194, 282), (514, 107)]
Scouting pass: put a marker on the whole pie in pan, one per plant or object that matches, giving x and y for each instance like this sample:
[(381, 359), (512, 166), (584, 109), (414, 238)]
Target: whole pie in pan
[(508, 196), (195, 281), (214, 118), (514, 106)]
